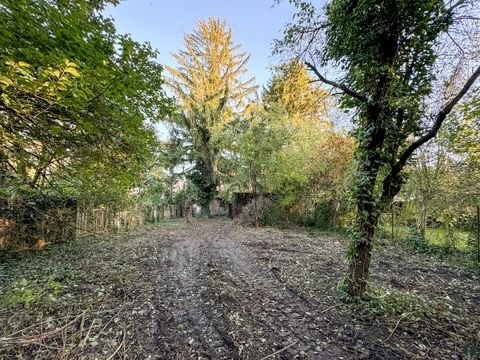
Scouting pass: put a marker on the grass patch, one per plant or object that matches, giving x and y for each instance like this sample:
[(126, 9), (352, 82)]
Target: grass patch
[(457, 239)]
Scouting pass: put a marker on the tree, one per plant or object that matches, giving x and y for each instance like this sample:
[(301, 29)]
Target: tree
[(386, 51), (311, 170), (432, 188), (465, 132), (302, 98), (264, 135), (209, 87), (77, 99)]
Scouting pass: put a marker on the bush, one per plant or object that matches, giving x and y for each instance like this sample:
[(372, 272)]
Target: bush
[(324, 216), (273, 213), (416, 240), (270, 212)]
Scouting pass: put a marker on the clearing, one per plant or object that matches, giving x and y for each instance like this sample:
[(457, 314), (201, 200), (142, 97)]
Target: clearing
[(217, 290)]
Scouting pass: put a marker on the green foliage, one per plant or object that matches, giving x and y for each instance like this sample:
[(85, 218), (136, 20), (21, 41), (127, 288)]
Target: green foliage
[(387, 73), (384, 302), (464, 130), (54, 286), (289, 149), (26, 292), (23, 293), (441, 195), (416, 240), (153, 188), (437, 242), (77, 100), (324, 216), (201, 178), (274, 213), (381, 302), (263, 136)]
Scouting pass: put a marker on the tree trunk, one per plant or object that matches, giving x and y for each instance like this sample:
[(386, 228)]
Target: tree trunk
[(369, 210), (367, 214), (360, 260), (255, 196), (359, 269), (422, 221)]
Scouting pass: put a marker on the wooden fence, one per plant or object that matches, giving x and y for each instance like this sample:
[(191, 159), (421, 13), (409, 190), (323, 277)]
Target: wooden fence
[(35, 222), (92, 220)]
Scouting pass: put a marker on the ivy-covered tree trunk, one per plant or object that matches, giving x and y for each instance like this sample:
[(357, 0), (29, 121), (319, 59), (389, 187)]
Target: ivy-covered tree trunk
[(360, 260), (388, 52), (367, 213)]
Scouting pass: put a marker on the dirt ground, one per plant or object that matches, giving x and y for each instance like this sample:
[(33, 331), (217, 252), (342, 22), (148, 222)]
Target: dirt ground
[(217, 290)]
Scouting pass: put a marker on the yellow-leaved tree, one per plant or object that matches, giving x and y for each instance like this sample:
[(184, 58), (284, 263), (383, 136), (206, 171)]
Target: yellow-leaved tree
[(210, 88), (302, 98), (312, 169)]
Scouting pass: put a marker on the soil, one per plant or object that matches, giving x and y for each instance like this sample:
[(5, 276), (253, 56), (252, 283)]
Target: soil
[(213, 289)]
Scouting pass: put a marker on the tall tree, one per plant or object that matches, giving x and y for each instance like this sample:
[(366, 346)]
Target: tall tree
[(386, 53), (210, 88), (313, 166), (304, 100)]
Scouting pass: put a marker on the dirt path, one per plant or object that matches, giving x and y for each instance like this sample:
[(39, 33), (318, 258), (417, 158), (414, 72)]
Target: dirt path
[(216, 290), (226, 292), (215, 300)]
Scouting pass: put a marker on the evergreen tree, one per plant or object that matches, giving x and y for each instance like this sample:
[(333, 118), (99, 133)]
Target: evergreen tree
[(209, 85)]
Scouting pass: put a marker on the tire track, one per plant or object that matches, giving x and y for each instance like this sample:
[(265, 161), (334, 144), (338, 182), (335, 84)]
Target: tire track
[(215, 300)]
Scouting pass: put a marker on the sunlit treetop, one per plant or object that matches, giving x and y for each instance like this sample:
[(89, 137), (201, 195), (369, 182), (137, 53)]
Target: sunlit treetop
[(210, 73), (302, 98)]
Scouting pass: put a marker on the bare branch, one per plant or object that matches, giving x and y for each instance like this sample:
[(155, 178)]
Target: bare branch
[(439, 119), (456, 44), (342, 87)]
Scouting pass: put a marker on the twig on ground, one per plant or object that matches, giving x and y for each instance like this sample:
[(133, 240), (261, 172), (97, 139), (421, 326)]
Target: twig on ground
[(49, 347), (82, 323), (278, 351), (64, 342), (395, 328), (330, 308), (113, 317), (438, 277), (124, 345), (84, 341), (23, 340), (118, 348), (35, 325)]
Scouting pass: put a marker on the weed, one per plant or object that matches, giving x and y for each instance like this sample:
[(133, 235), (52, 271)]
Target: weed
[(27, 292)]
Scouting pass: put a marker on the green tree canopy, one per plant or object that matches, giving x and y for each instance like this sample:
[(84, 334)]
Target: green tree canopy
[(77, 99)]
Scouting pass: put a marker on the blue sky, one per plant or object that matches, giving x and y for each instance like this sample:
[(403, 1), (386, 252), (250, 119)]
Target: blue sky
[(255, 23)]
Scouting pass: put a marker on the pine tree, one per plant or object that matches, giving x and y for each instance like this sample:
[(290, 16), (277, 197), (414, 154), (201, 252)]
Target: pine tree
[(210, 88)]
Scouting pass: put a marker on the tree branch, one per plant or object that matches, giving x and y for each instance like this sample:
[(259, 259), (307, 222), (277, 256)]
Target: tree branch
[(440, 118), (393, 181), (342, 87)]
